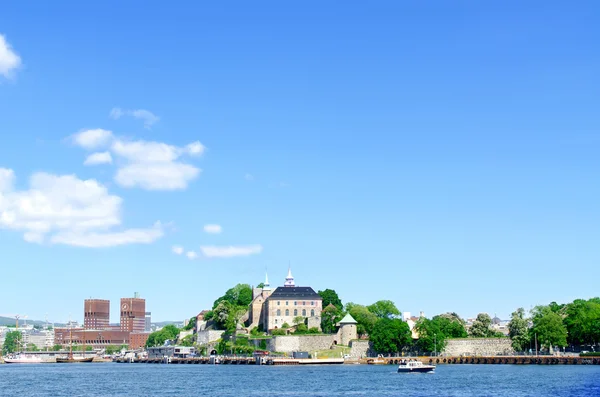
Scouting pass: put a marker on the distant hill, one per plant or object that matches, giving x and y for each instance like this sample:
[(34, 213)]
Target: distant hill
[(163, 323), (8, 321)]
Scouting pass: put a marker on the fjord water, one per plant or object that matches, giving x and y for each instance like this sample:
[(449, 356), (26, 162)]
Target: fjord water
[(111, 379)]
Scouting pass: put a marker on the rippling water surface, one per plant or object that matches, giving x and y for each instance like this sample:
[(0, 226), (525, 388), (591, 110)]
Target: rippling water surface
[(111, 379)]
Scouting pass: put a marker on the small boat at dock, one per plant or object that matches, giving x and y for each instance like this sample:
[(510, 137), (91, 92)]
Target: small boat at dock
[(414, 366)]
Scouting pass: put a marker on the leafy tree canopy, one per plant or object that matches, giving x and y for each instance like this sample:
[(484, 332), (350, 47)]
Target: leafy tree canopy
[(390, 335), (158, 338), (365, 319), (482, 327), (11, 342), (384, 309), (583, 321), (240, 295), (191, 324), (330, 315), (518, 328), (548, 327), (431, 337), (331, 297)]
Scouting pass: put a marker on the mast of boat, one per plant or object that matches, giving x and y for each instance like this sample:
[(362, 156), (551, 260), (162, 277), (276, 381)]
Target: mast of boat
[(70, 339)]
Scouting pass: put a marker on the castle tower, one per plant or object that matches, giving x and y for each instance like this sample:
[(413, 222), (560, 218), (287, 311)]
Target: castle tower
[(289, 280), (347, 330)]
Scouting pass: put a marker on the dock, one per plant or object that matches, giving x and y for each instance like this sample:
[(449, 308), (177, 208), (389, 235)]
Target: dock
[(493, 360)]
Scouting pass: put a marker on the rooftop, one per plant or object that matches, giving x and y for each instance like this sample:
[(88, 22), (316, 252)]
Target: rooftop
[(295, 292)]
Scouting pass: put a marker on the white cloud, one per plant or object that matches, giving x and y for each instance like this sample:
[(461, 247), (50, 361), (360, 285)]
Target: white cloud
[(154, 165), (211, 251), (213, 229), (195, 148), (7, 179), (92, 139), (146, 116), (191, 255), (9, 60), (177, 249), (110, 239), (249, 177), (67, 210), (98, 158)]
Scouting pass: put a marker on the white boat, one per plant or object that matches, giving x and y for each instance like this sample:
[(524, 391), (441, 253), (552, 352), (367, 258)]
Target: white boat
[(21, 358), (414, 366)]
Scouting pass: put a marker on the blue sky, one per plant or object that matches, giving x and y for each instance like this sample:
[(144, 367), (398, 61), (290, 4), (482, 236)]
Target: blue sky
[(441, 155)]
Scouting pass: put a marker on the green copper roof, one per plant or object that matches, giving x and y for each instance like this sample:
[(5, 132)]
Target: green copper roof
[(348, 319)]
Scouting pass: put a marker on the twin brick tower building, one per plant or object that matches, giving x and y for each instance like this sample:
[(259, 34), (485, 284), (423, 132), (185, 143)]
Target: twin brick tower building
[(133, 328)]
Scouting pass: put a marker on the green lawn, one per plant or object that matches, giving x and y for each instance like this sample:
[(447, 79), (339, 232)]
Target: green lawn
[(337, 352)]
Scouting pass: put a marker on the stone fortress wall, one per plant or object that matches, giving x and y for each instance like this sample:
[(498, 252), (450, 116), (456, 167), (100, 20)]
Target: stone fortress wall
[(478, 347), (301, 343)]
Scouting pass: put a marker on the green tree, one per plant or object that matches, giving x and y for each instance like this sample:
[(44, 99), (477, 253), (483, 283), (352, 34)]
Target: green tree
[(548, 327), (450, 325), (364, 318), (56, 348), (329, 318), (191, 324), (431, 337), (482, 327), (298, 320), (518, 328), (329, 296), (583, 321), (390, 335), (11, 342), (158, 338), (384, 309), (240, 295), (31, 347)]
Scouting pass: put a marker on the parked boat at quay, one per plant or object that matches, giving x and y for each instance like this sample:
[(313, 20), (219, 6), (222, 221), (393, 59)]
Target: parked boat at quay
[(21, 358)]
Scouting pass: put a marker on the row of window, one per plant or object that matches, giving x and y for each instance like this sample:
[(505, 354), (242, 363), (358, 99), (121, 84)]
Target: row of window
[(296, 303), (287, 312)]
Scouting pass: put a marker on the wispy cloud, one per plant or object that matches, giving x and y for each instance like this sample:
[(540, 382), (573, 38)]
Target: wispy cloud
[(249, 177), (9, 60), (146, 116), (177, 249), (63, 209), (98, 158), (211, 251), (92, 139), (191, 255), (145, 164), (213, 229)]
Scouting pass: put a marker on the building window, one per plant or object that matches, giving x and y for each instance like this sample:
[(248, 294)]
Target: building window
[(312, 312), (278, 303), (295, 303), (303, 303), (287, 303), (295, 312), (287, 312), (278, 312), (275, 322), (304, 312), (312, 303)]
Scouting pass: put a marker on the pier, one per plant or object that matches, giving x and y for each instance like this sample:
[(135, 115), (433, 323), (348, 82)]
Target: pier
[(495, 360), (232, 360)]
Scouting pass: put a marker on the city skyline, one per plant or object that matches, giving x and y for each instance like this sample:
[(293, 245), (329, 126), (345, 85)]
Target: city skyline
[(433, 156)]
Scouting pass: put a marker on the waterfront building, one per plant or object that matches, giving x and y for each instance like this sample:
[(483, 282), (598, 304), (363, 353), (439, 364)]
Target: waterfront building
[(133, 314), (273, 308), (96, 313), (42, 339), (148, 323)]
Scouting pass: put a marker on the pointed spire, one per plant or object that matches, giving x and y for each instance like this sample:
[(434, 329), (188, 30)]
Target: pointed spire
[(289, 280), (266, 285)]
